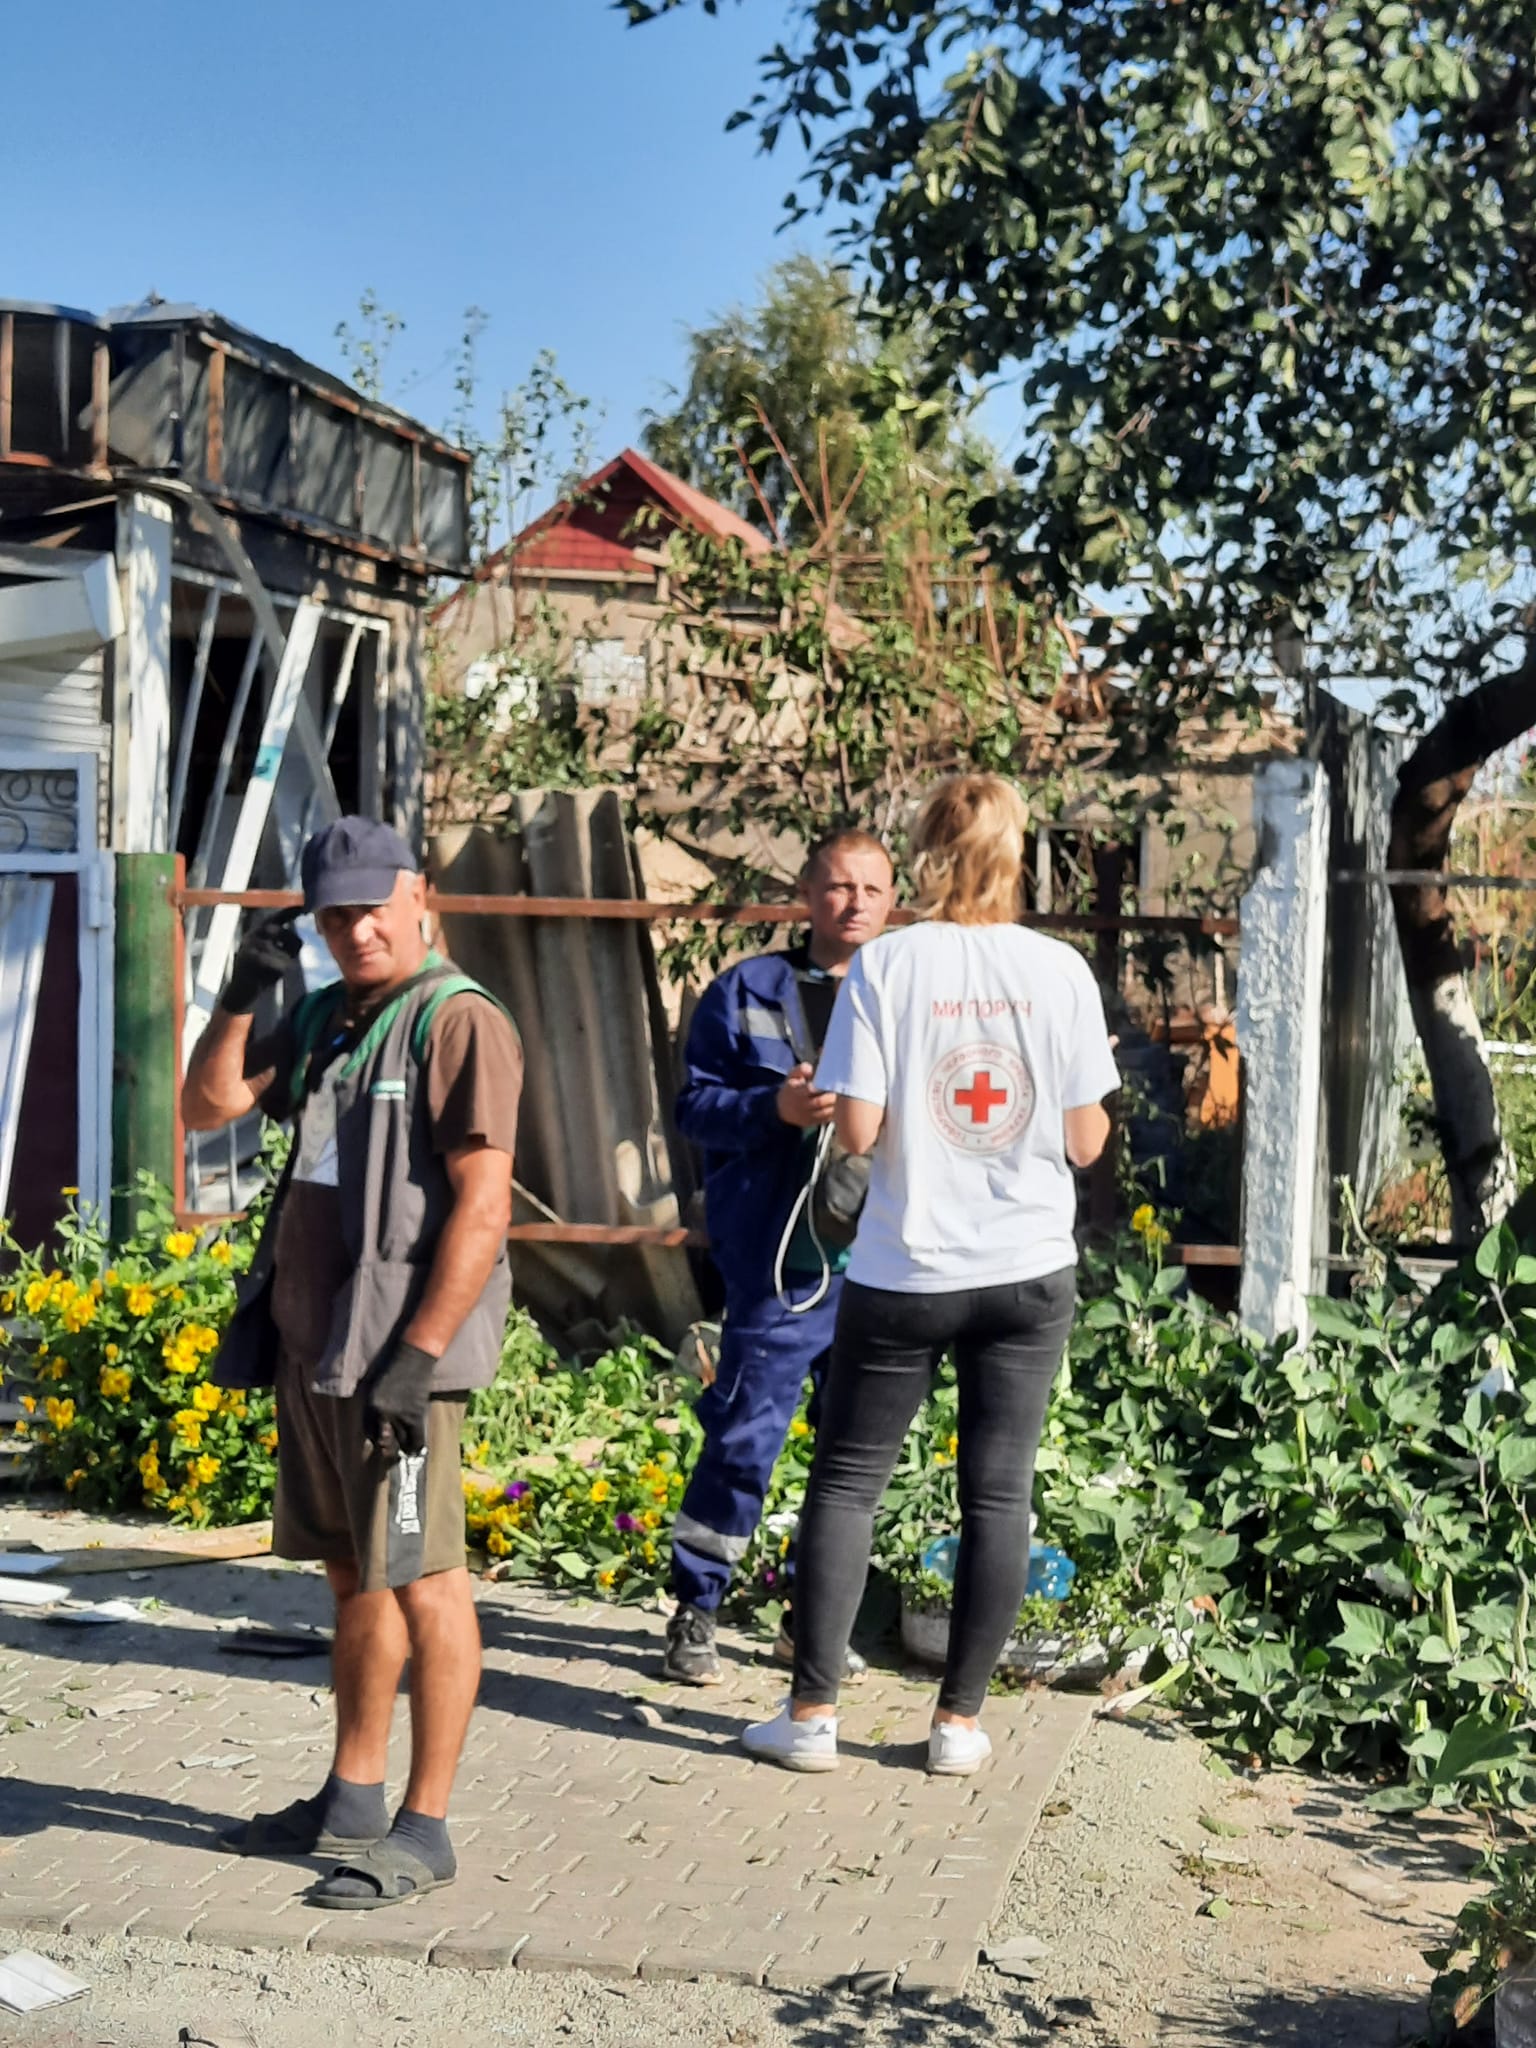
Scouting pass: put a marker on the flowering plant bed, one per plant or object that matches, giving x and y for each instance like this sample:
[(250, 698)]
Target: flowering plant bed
[(108, 1347)]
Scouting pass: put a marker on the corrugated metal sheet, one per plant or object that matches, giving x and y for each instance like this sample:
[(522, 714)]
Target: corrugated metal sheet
[(596, 1142)]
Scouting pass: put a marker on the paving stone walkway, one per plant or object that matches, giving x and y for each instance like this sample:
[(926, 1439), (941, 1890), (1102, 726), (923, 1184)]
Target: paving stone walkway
[(603, 1821)]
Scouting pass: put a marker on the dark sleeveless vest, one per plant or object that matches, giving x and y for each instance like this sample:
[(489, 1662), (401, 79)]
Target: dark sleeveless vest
[(395, 1197)]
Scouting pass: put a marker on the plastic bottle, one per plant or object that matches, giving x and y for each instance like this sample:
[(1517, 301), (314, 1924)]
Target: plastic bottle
[(1051, 1571)]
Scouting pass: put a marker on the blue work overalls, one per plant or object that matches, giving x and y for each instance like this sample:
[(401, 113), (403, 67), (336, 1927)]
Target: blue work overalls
[(741, 1048)]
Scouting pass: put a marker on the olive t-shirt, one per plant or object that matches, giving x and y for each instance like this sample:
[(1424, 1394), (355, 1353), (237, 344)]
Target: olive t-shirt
[(472, 1065)]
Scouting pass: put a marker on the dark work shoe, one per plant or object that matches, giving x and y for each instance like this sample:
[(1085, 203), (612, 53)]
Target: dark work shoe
[(783, 1651), (692, 1658)]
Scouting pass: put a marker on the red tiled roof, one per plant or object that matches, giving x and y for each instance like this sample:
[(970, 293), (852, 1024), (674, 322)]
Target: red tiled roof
[(567, 547), (601, 524)]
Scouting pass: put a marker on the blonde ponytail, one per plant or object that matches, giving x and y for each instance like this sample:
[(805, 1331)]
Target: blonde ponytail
[(969, 851)]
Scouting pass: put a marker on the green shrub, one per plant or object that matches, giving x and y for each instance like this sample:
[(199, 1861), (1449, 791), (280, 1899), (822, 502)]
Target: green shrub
[(1350, 1521)]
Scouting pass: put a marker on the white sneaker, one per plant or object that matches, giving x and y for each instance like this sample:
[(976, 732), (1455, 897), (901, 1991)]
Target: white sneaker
[(796, 1745), (955, 1751)]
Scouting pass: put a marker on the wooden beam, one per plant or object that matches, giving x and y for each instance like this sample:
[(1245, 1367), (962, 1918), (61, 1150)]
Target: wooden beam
[(7, 378), (101, 404), (213, 462)]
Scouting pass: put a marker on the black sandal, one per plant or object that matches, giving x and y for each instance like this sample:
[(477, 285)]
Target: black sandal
[(395, 1873), (296, 1831)]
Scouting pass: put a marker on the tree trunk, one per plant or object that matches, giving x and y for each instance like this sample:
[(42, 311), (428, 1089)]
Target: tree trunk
[(1430, 787)]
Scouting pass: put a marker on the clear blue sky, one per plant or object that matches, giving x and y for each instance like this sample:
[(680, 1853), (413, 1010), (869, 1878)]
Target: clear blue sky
[(533, 157)]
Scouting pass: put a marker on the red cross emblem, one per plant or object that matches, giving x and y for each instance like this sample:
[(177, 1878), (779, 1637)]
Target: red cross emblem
[(981, 1098)]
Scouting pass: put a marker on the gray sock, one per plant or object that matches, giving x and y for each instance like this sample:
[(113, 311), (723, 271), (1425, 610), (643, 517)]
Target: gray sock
[(355, 1812), (426, 1837)]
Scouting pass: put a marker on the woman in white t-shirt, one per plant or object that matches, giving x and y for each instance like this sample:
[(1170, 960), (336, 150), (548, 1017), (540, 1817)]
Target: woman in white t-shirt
[(969, 1057)]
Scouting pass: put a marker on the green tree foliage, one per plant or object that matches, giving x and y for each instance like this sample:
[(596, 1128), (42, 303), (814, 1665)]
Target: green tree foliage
[(803, 401), (1269, 273), (1266, 275)]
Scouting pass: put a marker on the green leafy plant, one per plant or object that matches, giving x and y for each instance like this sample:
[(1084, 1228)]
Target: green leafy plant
[(1494, 1933)]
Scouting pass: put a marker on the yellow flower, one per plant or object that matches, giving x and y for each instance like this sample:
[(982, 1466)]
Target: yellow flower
[(37, 1295), (220, 1252), (181, 1244), (65, 1293), (206, 1398), (498, 1544), (799, 1427), (69, 1191), (55, 1369), (60, 1413), (600, 1490), (650, 1519), (110, 1276), (206, 1469), (175, 1294), (176, 1502), (18, 1429), (149, 1464), (113, 1354), (73, 1480), (80, 1312), (236, 1408), (649, 1553), (7, 1302), (607, 1578), (953, 1445), (114, 1382), (29, 1402), (188, 1424), (1144, 1221), (268, 1439), (140, 1299), (202, 1337), (179, 1353)]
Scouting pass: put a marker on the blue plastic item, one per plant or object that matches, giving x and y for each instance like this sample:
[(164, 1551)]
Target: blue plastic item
[(1051, 1571)]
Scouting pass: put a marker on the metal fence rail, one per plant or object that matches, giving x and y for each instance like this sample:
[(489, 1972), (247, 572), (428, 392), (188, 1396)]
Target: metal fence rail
[(630, 910)]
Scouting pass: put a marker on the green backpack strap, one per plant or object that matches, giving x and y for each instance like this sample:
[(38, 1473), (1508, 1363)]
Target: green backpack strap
[(313, 1016), (451, 985)]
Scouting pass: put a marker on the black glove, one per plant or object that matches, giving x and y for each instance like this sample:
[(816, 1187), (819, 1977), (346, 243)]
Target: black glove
[(395, 1404), (265, 956)]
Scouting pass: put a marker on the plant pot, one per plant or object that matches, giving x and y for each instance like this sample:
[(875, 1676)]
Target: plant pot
[(1054, 1660), (1514, 2007)]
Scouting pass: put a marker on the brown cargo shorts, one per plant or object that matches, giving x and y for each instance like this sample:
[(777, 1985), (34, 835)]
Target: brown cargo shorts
[(338, 1502)]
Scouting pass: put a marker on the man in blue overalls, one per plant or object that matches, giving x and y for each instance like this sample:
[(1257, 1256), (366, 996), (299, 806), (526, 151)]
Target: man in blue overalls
[(748, 1101)]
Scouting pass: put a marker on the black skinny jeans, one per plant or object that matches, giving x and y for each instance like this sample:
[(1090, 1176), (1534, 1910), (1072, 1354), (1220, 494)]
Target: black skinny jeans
[(1007, 1343)]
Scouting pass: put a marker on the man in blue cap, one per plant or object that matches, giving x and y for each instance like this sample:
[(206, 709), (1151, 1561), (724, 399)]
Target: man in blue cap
[(376, 1301)]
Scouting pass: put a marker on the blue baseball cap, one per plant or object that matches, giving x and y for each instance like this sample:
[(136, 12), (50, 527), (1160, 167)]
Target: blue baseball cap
[(356, 860)]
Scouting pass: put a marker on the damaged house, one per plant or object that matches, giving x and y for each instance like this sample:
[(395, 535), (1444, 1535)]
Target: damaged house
[(214, 559)]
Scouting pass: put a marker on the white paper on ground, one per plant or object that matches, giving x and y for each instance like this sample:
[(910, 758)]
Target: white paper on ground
[(31, 1592), (25, 1563), (103, 1611), (28, 1982)]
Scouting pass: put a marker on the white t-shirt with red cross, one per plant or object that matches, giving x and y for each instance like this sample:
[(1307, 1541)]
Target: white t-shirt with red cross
[(976, 1039)]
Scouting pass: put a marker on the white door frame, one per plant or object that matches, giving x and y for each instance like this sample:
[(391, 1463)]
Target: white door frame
[(94, 872)]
